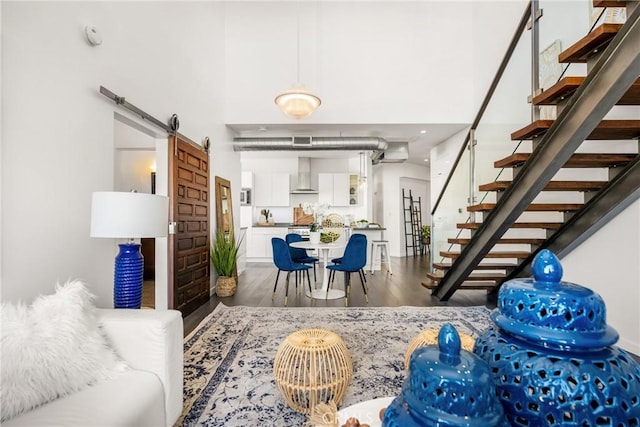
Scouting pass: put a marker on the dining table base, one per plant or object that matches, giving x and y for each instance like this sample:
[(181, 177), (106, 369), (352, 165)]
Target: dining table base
[(324, 294)]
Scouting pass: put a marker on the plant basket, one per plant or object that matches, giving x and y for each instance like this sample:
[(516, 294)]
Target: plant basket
[(225, 286)]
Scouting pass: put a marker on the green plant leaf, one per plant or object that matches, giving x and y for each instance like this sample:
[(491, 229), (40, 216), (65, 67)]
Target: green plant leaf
[(224, 253)]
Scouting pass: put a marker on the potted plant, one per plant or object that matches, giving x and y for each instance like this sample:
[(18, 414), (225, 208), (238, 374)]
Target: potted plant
[(224, 252), (425, 235), (314, 233)]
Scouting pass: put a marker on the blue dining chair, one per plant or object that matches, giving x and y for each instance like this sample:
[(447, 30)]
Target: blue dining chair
[(339, 259), (282, 260), (300, 255), (353, 260)]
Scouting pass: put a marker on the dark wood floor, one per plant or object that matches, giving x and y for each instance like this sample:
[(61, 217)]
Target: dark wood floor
[(403, 287)]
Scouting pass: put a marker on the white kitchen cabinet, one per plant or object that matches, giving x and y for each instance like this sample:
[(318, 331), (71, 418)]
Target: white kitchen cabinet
[(241, 262), (246, 180), (334, 188), (271, 189), (260, 248)]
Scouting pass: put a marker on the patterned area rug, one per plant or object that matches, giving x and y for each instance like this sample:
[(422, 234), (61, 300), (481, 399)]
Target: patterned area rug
[(228, 358)]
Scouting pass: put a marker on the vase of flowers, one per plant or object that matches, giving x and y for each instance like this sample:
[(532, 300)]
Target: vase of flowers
[(315, 209), (265, 214)]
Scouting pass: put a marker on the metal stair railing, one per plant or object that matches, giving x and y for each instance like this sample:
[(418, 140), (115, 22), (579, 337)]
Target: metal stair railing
[(612, 75)]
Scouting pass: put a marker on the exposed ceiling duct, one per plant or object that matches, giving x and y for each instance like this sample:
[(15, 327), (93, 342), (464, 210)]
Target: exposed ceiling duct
[(396, 152), (364, 143)]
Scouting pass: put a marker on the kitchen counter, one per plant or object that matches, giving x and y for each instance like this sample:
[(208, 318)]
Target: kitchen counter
[(289, 225)]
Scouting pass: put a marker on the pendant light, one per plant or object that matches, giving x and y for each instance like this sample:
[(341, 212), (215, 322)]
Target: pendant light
[(298, 102)]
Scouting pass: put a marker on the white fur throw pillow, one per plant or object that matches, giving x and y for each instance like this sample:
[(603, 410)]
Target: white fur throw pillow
[(52, 348)]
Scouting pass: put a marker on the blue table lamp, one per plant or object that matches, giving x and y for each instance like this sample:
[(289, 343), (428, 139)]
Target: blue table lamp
[(128, 216)]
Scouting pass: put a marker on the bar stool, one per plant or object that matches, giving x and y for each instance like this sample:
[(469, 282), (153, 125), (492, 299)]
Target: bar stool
[(376, 248)]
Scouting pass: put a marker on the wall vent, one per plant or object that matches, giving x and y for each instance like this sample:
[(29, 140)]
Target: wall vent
[(302, 141)]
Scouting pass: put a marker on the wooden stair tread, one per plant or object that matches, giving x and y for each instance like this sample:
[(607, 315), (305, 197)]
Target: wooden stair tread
[(609, 3), (606, 130), (576, 161), (505, 254), (551, 186), (568, 85), (474, 277), (533, 207), (430, 284), (549, 225), (503, 241), (484, 266), (593, 42)]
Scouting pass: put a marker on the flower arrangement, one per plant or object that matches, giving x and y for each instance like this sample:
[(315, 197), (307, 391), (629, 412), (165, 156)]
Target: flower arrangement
[(265, 214), (315, 209)]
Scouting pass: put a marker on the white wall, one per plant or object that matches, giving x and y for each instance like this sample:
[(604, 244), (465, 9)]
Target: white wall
[(609, 263), (388, 189), (58, 131), (376, 52)]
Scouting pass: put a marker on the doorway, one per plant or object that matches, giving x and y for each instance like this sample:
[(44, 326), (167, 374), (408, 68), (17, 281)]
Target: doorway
[(140, 164)]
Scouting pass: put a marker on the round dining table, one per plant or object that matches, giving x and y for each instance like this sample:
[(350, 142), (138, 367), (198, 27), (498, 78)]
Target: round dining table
[(323, 250)]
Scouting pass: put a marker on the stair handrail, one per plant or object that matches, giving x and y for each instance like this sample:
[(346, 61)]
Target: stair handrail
[(611, 76), (522, 25)]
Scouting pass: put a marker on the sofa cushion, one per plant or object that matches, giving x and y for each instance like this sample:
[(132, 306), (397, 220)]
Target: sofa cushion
[(134, 399), (52, 348)]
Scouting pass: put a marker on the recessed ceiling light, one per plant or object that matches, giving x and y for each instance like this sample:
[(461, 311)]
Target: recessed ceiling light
[(423, 131), (426, 160)]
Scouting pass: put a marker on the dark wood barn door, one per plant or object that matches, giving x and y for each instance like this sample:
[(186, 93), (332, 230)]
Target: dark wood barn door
[(189, 192)]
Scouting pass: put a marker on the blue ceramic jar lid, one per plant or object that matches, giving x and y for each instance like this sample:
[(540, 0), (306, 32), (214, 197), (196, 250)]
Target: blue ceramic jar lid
[(446, 387), (545, 311)]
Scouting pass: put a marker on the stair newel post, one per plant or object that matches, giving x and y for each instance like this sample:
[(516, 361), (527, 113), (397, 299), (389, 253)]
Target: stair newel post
[(536, 13), (472, 173)]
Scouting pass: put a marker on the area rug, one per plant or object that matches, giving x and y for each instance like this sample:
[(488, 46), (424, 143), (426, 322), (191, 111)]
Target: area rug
[(228, 358)]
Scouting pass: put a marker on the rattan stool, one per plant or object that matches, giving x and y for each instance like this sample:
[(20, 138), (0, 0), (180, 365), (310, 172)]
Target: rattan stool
[(430, 337), (312, 366), (376, 248)]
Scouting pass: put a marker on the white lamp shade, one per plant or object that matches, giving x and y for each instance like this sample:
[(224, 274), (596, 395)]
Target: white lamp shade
[(298, 102), (129, 215)]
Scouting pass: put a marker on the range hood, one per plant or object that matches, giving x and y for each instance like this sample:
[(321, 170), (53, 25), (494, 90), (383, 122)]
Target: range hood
[(304, 177), (396, 152)]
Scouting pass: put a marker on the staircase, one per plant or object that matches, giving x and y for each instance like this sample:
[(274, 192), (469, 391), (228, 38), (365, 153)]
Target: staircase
[(485, 259)]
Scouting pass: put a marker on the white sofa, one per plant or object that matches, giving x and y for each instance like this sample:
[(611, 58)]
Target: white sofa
[(149, 394)]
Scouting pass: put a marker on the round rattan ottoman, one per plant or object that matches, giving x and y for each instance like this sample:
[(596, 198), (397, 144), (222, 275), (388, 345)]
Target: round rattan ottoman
[(312, 366), (430, 337)]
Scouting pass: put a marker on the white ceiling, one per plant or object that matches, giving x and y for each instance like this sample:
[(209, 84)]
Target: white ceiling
[(420, 144)]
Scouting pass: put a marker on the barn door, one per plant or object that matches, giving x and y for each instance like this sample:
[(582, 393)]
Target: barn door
[(189, 274)]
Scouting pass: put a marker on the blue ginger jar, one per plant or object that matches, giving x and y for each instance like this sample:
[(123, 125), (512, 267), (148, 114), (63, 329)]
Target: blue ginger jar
[(552, 356), (446, 387)]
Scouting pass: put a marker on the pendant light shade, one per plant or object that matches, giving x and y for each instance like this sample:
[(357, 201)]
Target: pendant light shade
[(298, 102)]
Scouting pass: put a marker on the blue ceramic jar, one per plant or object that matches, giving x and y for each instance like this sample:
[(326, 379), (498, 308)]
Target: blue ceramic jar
[(552, 357), (446, 386)]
